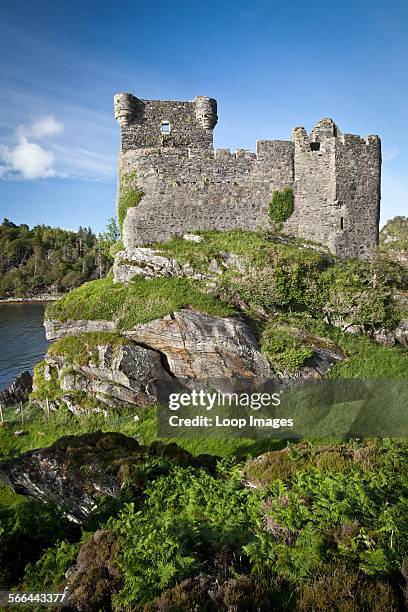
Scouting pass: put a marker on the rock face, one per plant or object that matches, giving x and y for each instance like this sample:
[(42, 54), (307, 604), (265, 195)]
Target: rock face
[(143, 262), (76, 471), (200, 346), (121, 375), (19, 390), (55, 329)]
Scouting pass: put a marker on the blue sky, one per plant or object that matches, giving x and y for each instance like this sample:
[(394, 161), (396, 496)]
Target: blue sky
[(271, 65)]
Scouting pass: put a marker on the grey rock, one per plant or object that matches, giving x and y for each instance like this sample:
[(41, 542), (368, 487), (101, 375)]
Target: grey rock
[(55, 329), (143, 262), (200, 346), (19, 390), (193, 238), (124, 375)]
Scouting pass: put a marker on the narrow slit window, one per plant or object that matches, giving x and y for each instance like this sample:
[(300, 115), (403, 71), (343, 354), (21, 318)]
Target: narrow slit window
[(165, 127), (342, 223), (315, 146)]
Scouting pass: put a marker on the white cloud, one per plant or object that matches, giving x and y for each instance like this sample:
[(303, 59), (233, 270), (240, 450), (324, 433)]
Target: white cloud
[(29, 160), (46, 126), (391, 154)]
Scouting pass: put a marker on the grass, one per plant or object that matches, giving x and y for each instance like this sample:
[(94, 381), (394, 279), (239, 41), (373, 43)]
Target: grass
[(139, 302), (41, 431), (368, 359), (83, 348), (257, 248)]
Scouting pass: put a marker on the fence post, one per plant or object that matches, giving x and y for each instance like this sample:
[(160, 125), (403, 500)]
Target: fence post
[(1, 413)]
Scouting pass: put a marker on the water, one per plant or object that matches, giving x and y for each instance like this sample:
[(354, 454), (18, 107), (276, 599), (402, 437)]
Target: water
[(22, 339)]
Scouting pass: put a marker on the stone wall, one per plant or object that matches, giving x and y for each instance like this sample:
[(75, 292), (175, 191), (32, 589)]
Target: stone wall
[(187, 185)]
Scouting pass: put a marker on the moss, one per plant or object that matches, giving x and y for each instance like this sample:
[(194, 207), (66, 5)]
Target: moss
[(281, 206), (46, 388), (83, 348), (139, 302), (129, 196)]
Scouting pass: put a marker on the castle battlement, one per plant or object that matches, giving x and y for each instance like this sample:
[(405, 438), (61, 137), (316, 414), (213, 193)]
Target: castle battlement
[(167, 147)]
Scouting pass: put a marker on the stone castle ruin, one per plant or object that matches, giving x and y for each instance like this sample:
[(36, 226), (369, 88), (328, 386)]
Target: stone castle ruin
[(182, 184)]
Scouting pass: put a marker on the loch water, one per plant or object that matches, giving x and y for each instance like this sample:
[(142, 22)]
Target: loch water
[(22, 339)]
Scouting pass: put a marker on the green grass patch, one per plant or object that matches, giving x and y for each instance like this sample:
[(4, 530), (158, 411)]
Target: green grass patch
[(83, 349), (139, 302)]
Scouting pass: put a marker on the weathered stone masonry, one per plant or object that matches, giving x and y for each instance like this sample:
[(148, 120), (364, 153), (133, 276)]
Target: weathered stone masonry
[(167, 146)]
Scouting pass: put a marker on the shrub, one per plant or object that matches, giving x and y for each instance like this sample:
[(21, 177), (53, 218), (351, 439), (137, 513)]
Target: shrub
[(283, 350), (358, 293), (348, 592), (281, 206), (129, 196)]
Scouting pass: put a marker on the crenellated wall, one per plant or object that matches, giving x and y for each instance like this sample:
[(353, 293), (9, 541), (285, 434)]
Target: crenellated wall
[(189, 186)]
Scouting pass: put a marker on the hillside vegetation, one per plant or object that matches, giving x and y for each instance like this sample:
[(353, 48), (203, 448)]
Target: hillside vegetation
[(50, 260), (237, 524)]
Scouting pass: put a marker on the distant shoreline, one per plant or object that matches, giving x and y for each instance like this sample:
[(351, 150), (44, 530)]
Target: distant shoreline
[(33, 299)]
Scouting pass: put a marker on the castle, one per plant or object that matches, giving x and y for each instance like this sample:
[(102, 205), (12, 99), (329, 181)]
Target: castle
[(167, 155)]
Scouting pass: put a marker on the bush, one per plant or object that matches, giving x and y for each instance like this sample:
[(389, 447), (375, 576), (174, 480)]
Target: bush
[(358, 293), (284, 351), (281, 206)]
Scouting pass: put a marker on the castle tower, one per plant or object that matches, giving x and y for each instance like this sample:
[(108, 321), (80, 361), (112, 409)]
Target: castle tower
[(147, 124), (337, 189)]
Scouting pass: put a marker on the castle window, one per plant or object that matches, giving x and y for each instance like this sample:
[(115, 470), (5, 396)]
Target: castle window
[(315, 146), (341, 222), (165, 127)]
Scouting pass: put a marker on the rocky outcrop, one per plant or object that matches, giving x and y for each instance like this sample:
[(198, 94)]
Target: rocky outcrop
[(114, 375), (77, 471), (326, 354), (201, 346), (19, 390), (398, 335), (144, 262), (55, 329)]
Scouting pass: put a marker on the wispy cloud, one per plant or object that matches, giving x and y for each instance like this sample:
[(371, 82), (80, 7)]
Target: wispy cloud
[(29, 160), (391, 153)]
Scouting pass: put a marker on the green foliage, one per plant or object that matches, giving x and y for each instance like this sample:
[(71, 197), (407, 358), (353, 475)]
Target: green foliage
[(281, 206), (394, 234), (188, 516), (139, 302), (283, 349), (46, 387), (288, 278), (320, 517), (359, 293), (46, 259), (129, 196), (46, 574), (25, 531)]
